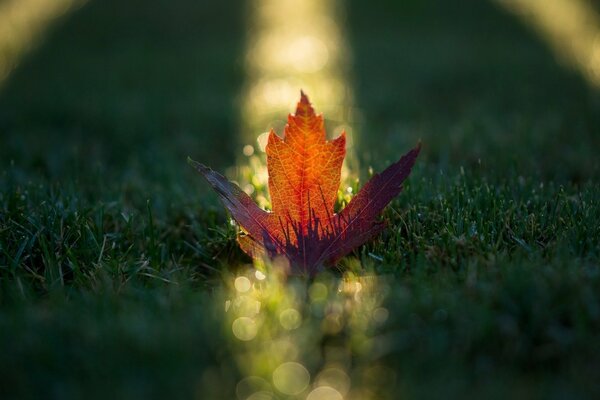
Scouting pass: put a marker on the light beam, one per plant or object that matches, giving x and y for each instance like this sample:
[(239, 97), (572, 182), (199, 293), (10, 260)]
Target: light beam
[(570, 27)]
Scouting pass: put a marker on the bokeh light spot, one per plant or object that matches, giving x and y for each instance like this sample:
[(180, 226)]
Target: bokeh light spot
[(291, 378), (260, 275), (290, 319), (242, 284), (248, 150), (318, 292), (244, 328), (261, 396), (325, 393), (380, 315), (252, 385), (334, 378)]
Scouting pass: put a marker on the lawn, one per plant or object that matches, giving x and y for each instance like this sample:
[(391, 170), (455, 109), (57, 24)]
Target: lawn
[(116, 259)]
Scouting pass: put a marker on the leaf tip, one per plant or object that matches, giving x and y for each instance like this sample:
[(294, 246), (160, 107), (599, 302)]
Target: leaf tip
[(414, 153), (304, 108), (198, 166), (303, 97)]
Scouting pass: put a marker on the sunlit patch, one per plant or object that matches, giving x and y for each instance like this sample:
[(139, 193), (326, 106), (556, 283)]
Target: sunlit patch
[(291, 378), (244, 328), (285, 55), (571, 27), (290, 329), (22, 23)]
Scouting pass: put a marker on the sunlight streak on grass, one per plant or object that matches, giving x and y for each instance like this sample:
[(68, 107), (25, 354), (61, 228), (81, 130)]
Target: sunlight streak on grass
[(292, 45), (571, 27), (300, 339)]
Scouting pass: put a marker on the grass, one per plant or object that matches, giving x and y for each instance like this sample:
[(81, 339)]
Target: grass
[(113, 253)]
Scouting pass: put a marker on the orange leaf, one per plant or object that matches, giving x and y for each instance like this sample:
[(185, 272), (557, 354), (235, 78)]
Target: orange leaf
[(304, 176), (304, 168)]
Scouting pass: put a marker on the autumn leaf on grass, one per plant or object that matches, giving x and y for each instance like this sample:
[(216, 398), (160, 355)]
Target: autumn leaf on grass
[(304, 176)]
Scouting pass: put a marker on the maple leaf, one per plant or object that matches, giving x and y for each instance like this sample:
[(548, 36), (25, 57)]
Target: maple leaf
[(304, 176)]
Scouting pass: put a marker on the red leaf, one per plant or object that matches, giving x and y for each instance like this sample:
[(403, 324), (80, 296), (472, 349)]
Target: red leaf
[(304, 176)]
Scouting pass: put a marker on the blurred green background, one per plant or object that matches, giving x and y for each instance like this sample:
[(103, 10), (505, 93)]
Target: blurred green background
[(113, 251)]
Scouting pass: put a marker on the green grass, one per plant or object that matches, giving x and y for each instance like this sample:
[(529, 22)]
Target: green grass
[(113, 252)]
